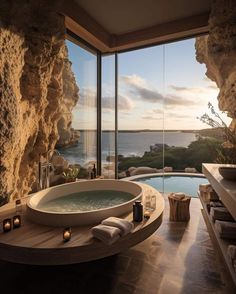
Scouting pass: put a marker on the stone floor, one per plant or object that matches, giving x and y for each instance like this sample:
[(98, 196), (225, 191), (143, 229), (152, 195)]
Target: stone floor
[(178, 258)]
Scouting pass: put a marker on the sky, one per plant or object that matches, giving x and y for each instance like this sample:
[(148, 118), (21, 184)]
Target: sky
[(158, 87)]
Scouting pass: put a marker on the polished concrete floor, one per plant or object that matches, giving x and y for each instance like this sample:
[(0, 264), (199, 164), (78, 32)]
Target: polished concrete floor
[(178, 258)]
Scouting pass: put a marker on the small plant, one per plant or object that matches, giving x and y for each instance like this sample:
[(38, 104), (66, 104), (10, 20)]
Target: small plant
[(227, 150), (71, 174)]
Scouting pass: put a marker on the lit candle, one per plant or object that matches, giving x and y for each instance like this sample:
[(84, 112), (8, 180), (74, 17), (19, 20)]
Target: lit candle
[(147, 215), (66, 234), (16, 221), (7, 225)]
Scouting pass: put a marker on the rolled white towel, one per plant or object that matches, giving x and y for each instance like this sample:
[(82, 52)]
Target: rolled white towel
[(106, 234), (231, 251), (124, 225), (178, 195), (205, 188)]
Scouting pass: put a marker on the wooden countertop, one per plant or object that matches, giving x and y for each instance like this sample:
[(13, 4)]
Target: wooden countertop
[(37, 244)]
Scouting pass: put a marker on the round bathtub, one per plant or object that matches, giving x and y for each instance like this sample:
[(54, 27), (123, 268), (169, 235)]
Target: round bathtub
[(38, 205)]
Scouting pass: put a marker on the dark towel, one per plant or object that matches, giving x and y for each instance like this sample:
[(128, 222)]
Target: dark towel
[(216, 204), (231, 251), (220, 213), (226, 230), (213, 196)]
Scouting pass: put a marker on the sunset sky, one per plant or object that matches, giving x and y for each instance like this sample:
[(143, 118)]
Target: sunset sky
[(158, 86)]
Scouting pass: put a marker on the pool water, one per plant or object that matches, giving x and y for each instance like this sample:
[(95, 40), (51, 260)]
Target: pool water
[(186, 184), (86, 201)]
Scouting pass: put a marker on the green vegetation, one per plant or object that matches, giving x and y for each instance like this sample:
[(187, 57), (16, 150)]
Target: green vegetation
[(227, 150), (71, 173), (215, 145), (199, 151)]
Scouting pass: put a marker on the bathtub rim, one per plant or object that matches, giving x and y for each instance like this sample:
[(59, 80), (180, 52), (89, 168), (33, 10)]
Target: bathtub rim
[(29, 200)]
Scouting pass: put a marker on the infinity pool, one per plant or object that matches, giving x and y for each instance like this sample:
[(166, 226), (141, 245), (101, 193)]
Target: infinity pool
[(174, 183)]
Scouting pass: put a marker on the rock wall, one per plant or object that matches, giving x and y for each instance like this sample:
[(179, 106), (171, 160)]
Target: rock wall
[(67, 136), (218, 52), (32, 62)]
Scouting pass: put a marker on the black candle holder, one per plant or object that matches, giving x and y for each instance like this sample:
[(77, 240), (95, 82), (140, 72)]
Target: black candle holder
[(6, 225), (16, 221), (67, 234)]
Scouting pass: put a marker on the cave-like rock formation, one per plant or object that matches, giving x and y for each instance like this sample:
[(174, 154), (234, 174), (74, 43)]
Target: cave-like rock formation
[(67, 136), (33, 61), (218, 52)]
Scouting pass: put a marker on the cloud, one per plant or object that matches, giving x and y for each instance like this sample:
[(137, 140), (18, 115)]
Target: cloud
[(213, 87), (174, 100), (174, 115), (157, 111), (159, 114), (139, 89), (150, 117), (193, 90), (176, 88), (149, 95), (88, 99), (124, 103), (133, 80), (205, 79)]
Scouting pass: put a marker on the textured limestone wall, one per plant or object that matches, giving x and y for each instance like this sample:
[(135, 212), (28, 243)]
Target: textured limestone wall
[(32, 58), (67, 136), (218, 52)]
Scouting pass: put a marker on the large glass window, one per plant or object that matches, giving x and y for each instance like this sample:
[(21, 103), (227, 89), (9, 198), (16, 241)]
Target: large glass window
[(187, 94), (83, 151), (162, 92)]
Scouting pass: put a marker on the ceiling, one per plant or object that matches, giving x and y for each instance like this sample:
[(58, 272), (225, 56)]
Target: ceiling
[(112, 25)]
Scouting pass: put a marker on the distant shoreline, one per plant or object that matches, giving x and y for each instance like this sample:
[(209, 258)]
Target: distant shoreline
[(144, 131)]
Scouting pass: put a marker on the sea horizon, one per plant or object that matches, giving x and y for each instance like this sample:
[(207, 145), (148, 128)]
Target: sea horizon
[(145, 130), (134, 143)]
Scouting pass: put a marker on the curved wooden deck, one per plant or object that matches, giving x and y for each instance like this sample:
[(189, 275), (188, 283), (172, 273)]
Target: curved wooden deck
[(42, 245)]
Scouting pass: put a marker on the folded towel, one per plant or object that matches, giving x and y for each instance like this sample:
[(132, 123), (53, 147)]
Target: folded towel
[(220, 213), (124, 225), (106, 234), (216, 204), (208, 207), (226, 230), (231, 251), (213, 196)]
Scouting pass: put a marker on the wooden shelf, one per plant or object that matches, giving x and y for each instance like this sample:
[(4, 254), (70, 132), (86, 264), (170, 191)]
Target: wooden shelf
[(226, 191), (37, 244)]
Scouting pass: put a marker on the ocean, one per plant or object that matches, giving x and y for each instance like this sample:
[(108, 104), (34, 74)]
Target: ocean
[(129, 144)]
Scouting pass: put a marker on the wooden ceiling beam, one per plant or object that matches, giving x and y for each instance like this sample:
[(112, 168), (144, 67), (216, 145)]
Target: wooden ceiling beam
[(82, 24), (162, 33)]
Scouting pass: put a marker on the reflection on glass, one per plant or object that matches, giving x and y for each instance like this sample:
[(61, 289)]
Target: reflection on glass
[(108, 116), (83, 124)]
